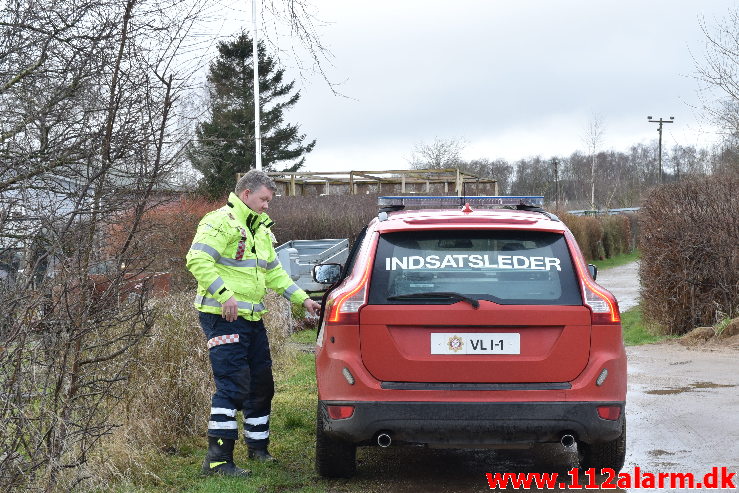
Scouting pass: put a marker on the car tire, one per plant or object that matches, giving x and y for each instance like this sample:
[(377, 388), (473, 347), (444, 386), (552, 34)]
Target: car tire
[(334, 458), (605, 455)]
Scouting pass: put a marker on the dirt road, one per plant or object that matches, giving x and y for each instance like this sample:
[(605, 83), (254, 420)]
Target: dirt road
[(682, 415), (623, 282), (683, 408), (681, 412)]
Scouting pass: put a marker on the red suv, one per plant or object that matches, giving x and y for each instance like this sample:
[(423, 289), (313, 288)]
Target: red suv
[(468, 327)]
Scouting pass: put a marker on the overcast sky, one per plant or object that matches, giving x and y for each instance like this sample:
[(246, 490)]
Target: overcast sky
[(512, 78)]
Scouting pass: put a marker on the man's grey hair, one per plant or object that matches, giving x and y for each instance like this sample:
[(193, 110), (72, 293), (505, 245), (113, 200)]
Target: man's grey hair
[(253, 180)]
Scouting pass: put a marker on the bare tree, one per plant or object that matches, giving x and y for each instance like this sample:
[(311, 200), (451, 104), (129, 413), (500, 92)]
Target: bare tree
[(689, 161), (89, 97), (304, 41), (719, 71), (440, 154), (593, 139), (499, 170), (533, 177)]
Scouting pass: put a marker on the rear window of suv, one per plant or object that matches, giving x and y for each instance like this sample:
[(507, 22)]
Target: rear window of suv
[(505, 267)]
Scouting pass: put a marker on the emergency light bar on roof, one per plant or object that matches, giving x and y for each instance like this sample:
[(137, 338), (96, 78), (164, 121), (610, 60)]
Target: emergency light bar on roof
[(490, 201)]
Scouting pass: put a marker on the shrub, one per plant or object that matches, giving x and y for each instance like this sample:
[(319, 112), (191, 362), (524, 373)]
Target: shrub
[(690, 261), (616, 235), (313, 218), (587, 232), (633, 222), (600, 237), (164, 238)]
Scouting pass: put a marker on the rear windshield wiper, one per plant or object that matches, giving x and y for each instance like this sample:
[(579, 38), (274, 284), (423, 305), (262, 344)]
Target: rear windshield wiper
[(455, 296)]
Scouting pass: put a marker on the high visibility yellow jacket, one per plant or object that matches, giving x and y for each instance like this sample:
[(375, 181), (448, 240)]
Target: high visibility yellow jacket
[(232, 255)]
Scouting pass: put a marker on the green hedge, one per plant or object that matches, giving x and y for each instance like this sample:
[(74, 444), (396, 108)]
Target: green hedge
[(601, 237)]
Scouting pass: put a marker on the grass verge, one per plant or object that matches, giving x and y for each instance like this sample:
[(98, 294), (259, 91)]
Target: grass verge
[(616, 261), (293, 440), (635, 330), (305, 336)]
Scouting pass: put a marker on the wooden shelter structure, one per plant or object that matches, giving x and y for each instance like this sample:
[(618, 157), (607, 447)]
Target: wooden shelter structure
[(450, 181)]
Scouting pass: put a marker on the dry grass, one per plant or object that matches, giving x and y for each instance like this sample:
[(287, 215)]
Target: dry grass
[(281, 321), (167, 396), (170, 384)]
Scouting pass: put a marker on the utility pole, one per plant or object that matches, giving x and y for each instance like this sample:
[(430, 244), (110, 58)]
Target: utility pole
[(255, 60), (660, 121)]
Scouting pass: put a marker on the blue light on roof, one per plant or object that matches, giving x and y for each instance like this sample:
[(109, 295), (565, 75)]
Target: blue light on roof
[(442, 201)]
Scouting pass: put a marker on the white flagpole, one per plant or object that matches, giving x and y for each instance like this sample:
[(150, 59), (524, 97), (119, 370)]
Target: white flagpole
[(255, 60)]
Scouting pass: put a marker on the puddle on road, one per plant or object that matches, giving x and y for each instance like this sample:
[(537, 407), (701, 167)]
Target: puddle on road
[(689, 388), (659, 453)]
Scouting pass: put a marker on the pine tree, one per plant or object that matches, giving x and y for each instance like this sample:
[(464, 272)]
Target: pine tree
[(225, 144)]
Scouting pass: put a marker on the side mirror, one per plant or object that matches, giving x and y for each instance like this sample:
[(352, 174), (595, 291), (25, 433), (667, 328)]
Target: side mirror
[(593, 271), (326, 273)]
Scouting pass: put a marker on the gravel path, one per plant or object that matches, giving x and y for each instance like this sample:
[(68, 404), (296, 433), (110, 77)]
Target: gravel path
[(623, 282)]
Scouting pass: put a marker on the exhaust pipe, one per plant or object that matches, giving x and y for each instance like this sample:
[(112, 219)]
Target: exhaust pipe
[(384, 440), (568, 440)]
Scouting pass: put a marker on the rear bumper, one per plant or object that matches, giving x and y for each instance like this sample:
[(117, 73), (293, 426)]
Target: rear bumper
[(470, 424)]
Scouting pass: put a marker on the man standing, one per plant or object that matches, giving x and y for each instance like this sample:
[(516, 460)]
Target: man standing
[(234, 261)]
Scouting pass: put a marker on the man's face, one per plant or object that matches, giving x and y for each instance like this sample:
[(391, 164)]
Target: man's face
[(258, 200)]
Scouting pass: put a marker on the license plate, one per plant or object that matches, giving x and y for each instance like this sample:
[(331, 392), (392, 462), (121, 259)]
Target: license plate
[(475, 343)]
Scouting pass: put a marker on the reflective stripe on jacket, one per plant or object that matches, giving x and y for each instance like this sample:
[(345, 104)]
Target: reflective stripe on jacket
[(232, 255)]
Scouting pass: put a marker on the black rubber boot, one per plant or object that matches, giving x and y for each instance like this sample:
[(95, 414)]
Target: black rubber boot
[(219, 459), (261, 455)]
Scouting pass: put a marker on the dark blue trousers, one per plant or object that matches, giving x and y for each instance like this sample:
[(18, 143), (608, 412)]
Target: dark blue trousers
[(242, 370)]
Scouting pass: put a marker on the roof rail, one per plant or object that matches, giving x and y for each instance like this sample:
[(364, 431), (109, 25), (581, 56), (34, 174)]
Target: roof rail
[(400, 202), (395, 203)]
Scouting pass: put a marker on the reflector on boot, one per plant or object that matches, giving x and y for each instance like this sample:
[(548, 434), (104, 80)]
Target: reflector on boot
[(219, 459)]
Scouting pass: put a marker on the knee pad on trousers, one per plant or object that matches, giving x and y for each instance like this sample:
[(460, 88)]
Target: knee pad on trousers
[(243, 378), (263, 386)]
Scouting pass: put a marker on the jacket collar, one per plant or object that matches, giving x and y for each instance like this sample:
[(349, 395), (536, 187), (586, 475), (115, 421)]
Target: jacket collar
[(243, 213)]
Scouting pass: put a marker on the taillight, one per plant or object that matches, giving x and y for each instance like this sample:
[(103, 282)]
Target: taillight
[(345, 307), (346, 300), (602, 305)]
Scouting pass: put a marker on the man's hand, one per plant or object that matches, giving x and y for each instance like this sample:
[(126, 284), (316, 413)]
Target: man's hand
[(230, 310), (313, 308)]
